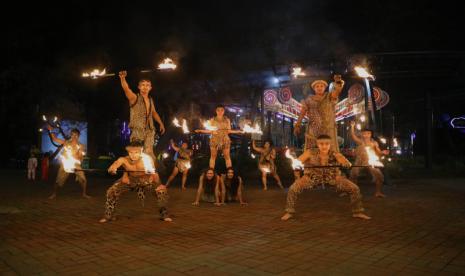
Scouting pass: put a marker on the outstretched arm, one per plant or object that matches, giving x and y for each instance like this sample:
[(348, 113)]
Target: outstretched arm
[(304, 156), (54, 137), (204, 131), (255, 148), (356, 139), (173, 145), (235, 131), (118, 163), (338, 84), (342, 160), (132, 97)]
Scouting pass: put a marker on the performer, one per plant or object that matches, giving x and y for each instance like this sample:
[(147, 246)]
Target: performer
[(233, 185), (76, 151), (135, 179), (182, 163), (219, 140), (209, 188), (324, 156), (366, 140), (266, 163), (31, 167), (142, 112), (320, 111)]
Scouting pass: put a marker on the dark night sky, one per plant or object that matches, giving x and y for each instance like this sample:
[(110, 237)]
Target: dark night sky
[(45, 48)]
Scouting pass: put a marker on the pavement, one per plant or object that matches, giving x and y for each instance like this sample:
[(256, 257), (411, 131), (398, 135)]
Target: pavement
[(418, 229)]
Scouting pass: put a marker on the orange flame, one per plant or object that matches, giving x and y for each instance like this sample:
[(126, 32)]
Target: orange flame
[(68, 161), (296, 163), (184, 127), (395, 143), (249, 129), (176, 122), (149, 166), (297, 71), (363, 73), (95, 73), (167, 65)]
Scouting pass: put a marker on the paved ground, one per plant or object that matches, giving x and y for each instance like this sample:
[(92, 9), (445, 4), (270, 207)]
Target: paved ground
[(419, 229)]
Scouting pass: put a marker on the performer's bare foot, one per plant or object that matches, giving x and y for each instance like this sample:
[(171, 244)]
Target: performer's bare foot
[(183, 188), (265, 188), (53, 196), (86, 196), (361, 216), (103, 220), (167, 219), (343, 194), (380, 195), (286, 216)]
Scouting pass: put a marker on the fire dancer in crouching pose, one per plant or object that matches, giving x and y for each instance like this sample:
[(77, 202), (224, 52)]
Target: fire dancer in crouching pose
[(324, 156), (140, 176)]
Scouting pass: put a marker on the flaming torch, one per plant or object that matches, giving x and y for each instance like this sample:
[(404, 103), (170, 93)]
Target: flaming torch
[(184, 127), (297, 71), (254, 130), (68, 161), (373, 159), (167, 64), (96, 73), (363, 73), (149, 166), (296, 163)]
